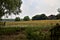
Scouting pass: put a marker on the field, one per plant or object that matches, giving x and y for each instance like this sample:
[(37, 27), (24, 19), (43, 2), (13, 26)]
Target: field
[(27, 30), (33, 23)]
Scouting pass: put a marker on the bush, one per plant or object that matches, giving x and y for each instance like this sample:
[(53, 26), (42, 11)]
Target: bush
[(17, 19), (26, 18), (35, 33)]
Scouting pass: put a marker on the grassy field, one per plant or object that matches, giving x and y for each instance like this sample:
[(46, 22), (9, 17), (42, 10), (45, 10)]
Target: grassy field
[(27, 30), (24, 33), (33, 23)]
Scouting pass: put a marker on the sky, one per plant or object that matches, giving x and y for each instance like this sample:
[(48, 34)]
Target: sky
[(35, 7)]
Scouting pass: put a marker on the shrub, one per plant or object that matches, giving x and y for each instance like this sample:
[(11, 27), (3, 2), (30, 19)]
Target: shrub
[(26, 18), (35, 33), (17, 19)]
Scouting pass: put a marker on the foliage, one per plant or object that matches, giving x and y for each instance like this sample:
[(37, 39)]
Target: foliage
[(36, 33), (52, 17), (8, 7), (39, 17), (58, 10), (44, 17), (17, 19), (26, 18), (9, 30), (29, 32), (58, 16)]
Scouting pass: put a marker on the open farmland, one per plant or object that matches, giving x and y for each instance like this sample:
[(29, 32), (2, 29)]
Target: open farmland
[(27, 30), (33, 23)]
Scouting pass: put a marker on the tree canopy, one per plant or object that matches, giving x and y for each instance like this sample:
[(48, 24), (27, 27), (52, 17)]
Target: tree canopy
[(10, 6), (17, 19), (26, 18), (39, 17), (51, 17), (58, 10), (58, 16)]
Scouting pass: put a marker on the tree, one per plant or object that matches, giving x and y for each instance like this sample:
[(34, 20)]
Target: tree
[(51, 17), (17, 19), (9, 7), (43, 17), (58, 10), (26, 18), (39, 17), (58, 16), (36, 17)]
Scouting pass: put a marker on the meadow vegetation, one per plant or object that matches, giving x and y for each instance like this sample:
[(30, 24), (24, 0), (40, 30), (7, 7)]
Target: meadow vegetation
[(33, 23), (27, 30)]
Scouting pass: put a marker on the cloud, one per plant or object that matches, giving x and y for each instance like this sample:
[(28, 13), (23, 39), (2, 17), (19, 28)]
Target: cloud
[(33, 7)]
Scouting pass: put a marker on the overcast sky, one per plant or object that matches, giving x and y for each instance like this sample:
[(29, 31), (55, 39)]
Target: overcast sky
[(34, 7)]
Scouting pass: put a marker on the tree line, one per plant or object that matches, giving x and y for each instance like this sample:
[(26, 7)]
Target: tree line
[(39, 17), (44, 17)]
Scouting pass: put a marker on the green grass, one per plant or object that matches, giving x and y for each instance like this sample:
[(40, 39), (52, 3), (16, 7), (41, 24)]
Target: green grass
[(31, 33), (9, 30), (37, 33)]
